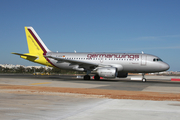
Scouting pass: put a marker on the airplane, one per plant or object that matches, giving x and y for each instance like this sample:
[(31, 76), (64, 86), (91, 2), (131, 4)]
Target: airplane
[(107, 65)]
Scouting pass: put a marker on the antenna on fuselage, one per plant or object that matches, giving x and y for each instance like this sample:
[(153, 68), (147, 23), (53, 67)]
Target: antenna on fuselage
[(142, 52), (74, 51)]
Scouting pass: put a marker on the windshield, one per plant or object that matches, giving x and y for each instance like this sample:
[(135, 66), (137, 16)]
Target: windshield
[(157, 59)]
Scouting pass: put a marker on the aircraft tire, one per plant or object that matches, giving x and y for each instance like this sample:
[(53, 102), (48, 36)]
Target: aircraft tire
[(144, 80), (87, 77), (97, 77)]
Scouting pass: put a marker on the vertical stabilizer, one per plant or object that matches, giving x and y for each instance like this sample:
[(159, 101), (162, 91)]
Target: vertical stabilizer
[(37, 49), (35, 44)]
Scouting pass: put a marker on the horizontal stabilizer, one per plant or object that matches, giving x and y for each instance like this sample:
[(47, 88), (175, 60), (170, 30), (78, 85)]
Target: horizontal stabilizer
[(27, 56)]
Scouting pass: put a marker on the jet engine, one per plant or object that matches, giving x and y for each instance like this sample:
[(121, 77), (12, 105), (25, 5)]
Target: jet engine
[(107, 72)]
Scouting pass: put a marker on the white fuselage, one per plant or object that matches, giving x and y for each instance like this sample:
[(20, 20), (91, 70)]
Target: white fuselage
[(130, 62)]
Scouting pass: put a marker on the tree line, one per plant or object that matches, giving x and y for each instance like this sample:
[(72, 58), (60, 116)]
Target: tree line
[(32, 70)]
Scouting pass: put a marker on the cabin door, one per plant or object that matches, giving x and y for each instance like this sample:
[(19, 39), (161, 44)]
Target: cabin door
[(143, 59)]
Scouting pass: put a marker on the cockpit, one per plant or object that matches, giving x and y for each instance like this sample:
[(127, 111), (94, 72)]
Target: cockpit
[(157, 59)]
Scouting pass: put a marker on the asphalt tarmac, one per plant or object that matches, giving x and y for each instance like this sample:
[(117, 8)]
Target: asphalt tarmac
[(36, 106), (153, 84)]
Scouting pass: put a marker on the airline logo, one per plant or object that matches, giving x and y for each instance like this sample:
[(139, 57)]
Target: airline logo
[(130, 56)]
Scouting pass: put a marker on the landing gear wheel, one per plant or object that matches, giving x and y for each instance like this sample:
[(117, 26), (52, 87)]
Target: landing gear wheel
[(144, 80), (96, 77), (86, 77)]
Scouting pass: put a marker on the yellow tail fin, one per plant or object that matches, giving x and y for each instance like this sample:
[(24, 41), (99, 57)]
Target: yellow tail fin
[(37, 49), (35, 44)]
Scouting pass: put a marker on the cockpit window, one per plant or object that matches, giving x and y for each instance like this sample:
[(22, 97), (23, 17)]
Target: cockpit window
[(157, 59)]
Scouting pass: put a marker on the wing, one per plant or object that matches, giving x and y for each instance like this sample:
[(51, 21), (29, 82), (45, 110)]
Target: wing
[(82, 64)]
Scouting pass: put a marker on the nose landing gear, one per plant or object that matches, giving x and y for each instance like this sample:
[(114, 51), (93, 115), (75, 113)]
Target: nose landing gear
[(143, 78)]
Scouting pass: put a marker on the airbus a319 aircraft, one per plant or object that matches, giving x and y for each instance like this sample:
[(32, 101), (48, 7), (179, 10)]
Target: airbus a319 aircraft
[(107, 65)]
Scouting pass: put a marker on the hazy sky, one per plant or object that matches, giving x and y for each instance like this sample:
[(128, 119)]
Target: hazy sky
[(125, 26)]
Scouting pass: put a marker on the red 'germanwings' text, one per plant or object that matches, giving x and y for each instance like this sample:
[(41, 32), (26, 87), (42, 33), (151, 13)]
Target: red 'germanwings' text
[(130, 56)]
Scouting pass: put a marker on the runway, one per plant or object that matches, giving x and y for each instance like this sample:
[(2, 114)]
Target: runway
[(153, 84), (66, 97)]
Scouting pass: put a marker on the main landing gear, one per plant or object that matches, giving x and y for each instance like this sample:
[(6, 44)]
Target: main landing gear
[(143, 78), (87, 77), (97, 77)]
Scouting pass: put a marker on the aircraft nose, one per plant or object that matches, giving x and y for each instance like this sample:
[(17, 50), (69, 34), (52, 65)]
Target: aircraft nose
[(165, 66)]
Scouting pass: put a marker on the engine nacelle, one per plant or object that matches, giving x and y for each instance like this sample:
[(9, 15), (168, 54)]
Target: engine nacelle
[(107, 72), (122, 75)]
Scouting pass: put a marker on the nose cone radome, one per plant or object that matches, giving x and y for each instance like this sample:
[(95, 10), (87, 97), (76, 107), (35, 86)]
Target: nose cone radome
[(165, 66)]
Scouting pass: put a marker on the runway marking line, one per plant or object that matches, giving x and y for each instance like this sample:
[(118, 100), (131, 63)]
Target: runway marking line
[(40, 83), (175, 79)]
